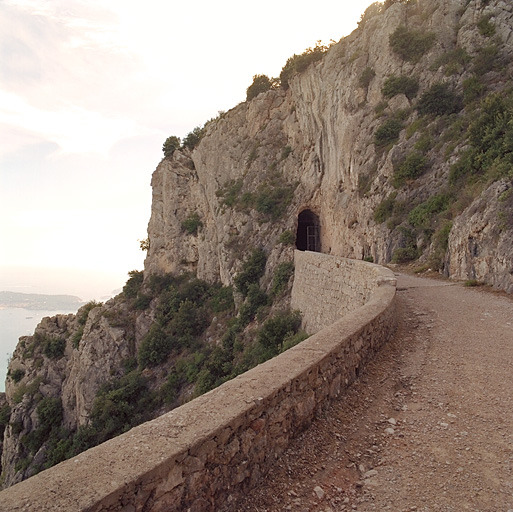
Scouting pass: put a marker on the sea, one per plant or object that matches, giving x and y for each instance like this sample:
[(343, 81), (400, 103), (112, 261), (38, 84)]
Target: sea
[(16, 322)]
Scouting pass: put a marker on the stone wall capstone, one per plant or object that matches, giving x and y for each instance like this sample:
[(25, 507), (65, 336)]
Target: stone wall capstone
[(203, 455)]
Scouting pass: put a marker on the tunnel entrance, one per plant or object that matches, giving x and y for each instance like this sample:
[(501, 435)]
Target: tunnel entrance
[(308, 232)]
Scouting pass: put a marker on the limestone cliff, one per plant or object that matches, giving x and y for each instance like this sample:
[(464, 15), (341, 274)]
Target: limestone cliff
[(318, 137), (395, 146)]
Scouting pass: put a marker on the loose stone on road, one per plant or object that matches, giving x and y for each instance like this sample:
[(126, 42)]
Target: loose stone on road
[(428, 427)]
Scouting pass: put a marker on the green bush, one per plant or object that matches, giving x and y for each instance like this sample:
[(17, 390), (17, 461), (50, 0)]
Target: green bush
[(83, 312), (440, 99), (385, 209), (422, 215), (230, 192), (272, 202), (287, 238), (284, 271), (275, 330), (193, 138), (49, 413), (119, 405), (255, 299), (222, 299), (387, 132), (401, 84), (142, 302), (252, 270), (171, 145), (440, 245), (409, 169), (411, 45), (486, 60), (5, 416), (454, 61), (53, 347), (16, 375), (485, 26), (299, 63), (134, 283), (473, 89), (261, 83), (155, 347), (490, 135), (366, 77), (192, 223)]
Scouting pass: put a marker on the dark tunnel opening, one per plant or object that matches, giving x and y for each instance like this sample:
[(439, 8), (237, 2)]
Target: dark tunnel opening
[(308, 232)]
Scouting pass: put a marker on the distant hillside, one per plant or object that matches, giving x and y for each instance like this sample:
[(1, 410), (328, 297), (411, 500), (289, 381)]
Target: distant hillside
[(39, 301)]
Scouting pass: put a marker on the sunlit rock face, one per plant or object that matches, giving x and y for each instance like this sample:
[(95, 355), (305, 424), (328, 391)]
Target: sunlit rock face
[(318, 137)]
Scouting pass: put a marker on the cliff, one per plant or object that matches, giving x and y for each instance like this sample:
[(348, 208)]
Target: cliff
[(395, 146), (368, 139)]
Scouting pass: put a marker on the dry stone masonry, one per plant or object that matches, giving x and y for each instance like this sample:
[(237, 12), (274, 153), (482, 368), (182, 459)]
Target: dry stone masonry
[(207, 452)]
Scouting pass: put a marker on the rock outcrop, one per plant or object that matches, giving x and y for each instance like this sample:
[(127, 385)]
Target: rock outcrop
[(398, 141), (319, 138)]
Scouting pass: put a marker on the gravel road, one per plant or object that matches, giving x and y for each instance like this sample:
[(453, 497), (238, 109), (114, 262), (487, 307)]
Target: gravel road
[(427, 427)]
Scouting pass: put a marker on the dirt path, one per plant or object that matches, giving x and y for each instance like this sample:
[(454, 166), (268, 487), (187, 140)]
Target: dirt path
[(429, 425)]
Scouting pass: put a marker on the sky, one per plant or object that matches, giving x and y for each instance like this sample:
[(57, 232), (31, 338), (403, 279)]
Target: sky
[(90, 90)]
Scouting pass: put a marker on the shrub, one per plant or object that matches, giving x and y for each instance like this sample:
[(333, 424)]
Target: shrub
[(261, 83), (142, 302), (486, 60), (284, 271), (373, 10), (230, 192), (155, 347), (491, 138), (440, 245), (119, 405), (255, 299), (388, 132), (171, 145), (299, 63), (16, 375), (485, 26), (273, 201), (473, 89), (409, 169), (252, 270), (366, 77), (401, 84), (192, 223), (411, 45), (83, 312), (53, 347), (440, 99), (5, 416), (455, 61), (222, 299), (421, 216), (385, 209), (134, 283), (193, 138), (408, 250), (277, 329), (287, 238)]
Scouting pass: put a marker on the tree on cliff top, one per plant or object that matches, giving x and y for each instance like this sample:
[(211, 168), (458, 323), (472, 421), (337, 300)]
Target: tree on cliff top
[(172, 143), (261, 83)]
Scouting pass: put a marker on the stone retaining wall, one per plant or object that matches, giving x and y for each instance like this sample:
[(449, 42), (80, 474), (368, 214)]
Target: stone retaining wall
[(203, 455)]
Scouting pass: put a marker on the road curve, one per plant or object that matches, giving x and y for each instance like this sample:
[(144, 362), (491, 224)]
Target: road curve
[(427, 427)]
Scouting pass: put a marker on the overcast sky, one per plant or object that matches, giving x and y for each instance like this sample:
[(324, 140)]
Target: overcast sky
[(89, 91)]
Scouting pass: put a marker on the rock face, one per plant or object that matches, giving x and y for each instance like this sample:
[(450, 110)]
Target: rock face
[(384, 172), (319, 138)]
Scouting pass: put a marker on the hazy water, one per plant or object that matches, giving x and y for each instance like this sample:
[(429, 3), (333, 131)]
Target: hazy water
[(16, 322)]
